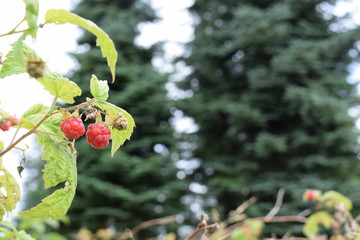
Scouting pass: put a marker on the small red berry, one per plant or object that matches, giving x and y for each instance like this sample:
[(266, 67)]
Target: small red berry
[(98, 135), (311, 194), (14, 121), (6, 126), (73, 128)]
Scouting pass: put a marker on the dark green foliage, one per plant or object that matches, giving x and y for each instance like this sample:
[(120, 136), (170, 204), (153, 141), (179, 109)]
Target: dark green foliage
[(140, 182), (271, 101)]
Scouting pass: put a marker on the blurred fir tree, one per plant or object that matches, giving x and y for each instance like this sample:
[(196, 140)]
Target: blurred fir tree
[(271, 99), (140, 182)]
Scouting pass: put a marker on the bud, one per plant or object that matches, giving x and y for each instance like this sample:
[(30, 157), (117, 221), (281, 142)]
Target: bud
[(36, 68), (120, 123)]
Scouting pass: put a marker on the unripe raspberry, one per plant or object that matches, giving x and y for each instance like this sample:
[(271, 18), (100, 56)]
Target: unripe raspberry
[(120, 123), (36, 68), (98, 135), (73, 128)]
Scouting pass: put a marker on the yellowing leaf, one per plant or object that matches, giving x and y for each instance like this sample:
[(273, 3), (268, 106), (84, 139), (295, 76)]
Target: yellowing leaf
[(99, 88), (60, 87), (60, 161), (311, 226), (118, 136), (12, 196), (332, 197), (60, 167), (106, 45)]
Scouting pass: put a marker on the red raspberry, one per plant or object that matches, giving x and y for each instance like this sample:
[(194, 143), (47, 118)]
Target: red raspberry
[(98, 135), (73, 128), (6, 126), (14, 121)]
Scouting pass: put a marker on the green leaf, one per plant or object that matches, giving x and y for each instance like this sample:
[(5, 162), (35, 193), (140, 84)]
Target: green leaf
[(22, 235), (99, 88), (311, 227), (60, 167), (60, 160), (1, 145), (54, 206), (118, 137), (15, 60), (60, 16), (31, 16), (60, 87), (33, 115), (12, 196), (332, 197)]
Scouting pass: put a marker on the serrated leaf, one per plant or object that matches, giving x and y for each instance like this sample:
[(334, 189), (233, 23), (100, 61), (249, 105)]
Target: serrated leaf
[(31, 16), (60, 167), (53, 206), (99, 88), (118, 137), (60, 161), (60, 87), (15, 60), (60, 16), (311, 227)]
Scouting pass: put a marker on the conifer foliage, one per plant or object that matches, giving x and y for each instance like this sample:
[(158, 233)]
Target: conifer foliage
[(271, 101)]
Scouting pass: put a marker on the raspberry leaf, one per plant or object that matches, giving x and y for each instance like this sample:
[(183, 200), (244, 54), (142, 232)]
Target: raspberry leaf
[(15, 60), (99, 88), (60, 16), (60, 87), (60, 167), (37, 112), (118, 137), (12, 190), (31, 16)]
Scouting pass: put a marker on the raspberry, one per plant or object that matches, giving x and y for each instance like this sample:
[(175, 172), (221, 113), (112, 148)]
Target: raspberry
[(73, 128), (311, 194), (98, 135), (6, 126), (14, 121)]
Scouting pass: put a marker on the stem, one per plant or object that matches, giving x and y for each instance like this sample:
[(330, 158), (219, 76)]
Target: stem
[(17, 130), (31, 131), (53, 103)]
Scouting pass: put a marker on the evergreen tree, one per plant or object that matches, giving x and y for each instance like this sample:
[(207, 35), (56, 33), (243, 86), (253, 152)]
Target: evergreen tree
[(270, 98), (139, 183)]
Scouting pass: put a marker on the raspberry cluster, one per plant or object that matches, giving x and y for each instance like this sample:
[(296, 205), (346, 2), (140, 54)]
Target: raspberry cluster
[(7, 123), (97, 134)]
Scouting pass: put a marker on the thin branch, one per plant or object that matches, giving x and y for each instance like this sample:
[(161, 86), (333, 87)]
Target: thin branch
[(278, 203), (149, 223)]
